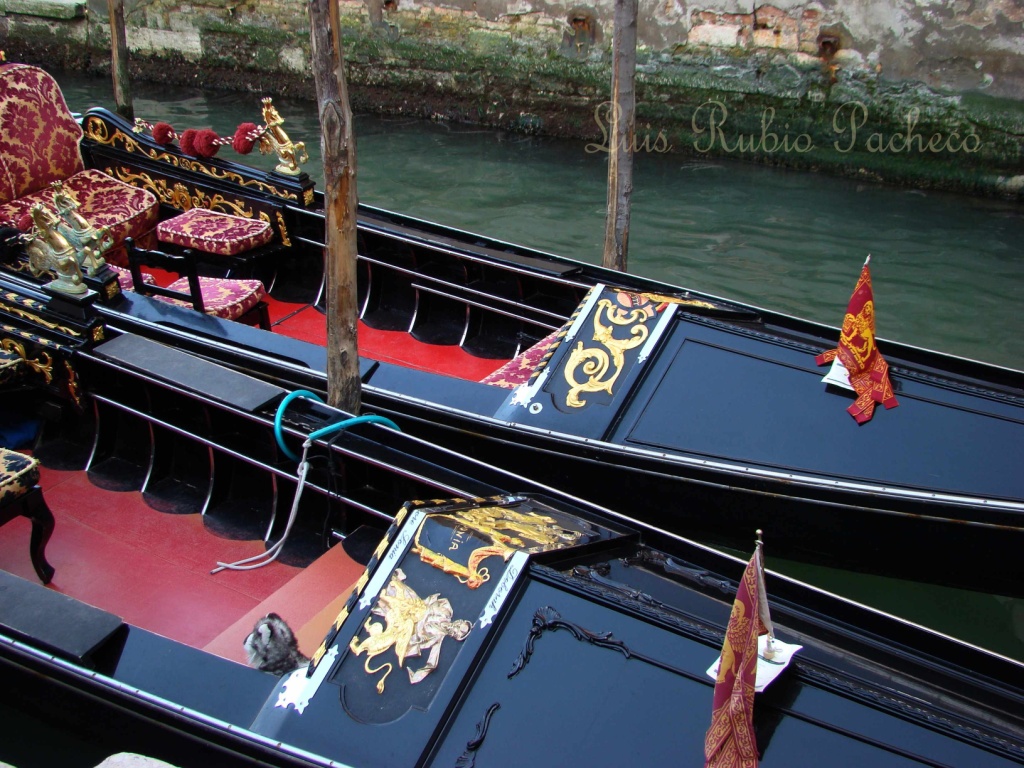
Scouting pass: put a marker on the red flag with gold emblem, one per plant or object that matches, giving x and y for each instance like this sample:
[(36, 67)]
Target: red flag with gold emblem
[(857, 351), (730, 742)]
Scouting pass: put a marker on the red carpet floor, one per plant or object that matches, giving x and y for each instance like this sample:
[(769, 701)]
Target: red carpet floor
[(152, 569), (308, 324)]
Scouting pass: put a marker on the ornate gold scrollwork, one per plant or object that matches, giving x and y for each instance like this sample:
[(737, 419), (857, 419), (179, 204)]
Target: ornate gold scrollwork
[(40, 341), (96, 129), (178, 195), (24, 314), (42, 365), (74, 390), (498, 531), (283, 229), (603, 366)]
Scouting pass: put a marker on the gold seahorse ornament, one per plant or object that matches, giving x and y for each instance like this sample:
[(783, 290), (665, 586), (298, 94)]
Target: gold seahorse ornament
[(89, 242), (289, 154), (49, 251)]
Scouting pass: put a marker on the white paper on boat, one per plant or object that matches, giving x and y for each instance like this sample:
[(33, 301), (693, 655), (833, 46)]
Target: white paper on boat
[(838, 375), (767, 670)]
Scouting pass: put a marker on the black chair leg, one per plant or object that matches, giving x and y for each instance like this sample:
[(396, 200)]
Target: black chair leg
[(263, 313), (35, 509)]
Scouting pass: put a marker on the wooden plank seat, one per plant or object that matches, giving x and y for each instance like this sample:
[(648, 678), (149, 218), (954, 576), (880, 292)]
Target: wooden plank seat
[(39, 145), (20, 494), (230, 299), (231, 244)]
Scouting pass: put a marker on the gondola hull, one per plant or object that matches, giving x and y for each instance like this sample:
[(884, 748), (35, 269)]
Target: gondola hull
[(722, 410)]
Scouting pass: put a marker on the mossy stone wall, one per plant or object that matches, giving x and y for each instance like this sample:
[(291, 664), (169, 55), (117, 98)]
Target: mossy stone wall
[(920, 92)]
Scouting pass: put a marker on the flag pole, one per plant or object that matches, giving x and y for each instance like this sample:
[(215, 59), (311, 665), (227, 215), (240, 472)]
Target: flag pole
[(769, 647)]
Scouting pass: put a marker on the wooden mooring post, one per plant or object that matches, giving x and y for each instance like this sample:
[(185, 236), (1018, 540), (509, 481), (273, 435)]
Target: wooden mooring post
[(623, 130), (337, 143), (119, 61)]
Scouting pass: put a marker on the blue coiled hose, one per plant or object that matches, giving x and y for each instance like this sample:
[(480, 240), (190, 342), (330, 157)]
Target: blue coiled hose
[(329, 429)]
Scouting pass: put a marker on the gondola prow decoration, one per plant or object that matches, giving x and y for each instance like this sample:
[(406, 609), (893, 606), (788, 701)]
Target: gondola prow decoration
[(204, 142)]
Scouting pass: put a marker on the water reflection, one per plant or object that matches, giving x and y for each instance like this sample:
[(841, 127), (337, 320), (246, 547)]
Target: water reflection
[(946, 268)]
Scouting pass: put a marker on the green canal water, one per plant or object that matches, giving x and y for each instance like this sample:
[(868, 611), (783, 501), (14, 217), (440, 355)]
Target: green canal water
[(948, 270)]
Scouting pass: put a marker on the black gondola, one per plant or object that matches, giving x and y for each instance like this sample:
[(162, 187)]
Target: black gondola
[(716, 407)]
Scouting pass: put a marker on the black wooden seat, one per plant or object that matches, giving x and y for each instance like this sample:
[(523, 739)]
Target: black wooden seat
[(20, 494), (225, 245), (228, 298)]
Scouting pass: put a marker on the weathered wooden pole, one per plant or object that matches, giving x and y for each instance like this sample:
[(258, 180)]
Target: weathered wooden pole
[(375, 8), (338, 146), (623, 129), (119, 61)]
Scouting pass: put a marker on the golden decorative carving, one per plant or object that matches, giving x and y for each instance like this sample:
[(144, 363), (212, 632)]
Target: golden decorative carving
[(40, 341), (414, 626), (283, 229), (42, 365), (660, 298), (602, 366), (24, 302), (289, 154), (74, 389), (504, 530), (178, 195), (50, 252), (98, 131), (31, 316), (111, 289)]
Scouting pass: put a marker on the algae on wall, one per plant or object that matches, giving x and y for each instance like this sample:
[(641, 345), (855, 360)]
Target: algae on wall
[(916, 91)]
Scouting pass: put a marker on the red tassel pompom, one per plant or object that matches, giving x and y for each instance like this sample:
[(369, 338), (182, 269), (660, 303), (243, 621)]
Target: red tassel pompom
[(205, 143), (243, 141), (25, 223), (163, 133), (186, 142)]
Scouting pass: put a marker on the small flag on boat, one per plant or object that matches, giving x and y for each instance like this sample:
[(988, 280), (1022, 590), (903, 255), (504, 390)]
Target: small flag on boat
[(856, 362), (751, 658)]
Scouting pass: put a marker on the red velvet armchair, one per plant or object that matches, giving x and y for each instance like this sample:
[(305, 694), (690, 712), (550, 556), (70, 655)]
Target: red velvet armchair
[(39, 144)]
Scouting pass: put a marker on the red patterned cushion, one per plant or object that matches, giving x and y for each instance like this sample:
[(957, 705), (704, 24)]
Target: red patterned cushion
[(124, 277), (518, 370), (222, 297), (38, 136), (212, 232), (104, 202)]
